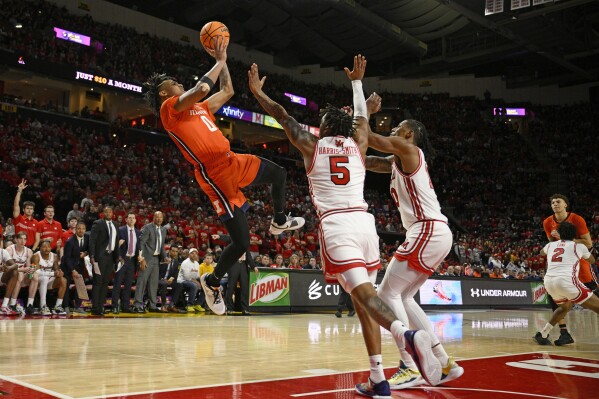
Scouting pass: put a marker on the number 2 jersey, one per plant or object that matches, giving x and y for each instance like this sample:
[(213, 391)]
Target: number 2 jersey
[(563, 258), (336, 176)]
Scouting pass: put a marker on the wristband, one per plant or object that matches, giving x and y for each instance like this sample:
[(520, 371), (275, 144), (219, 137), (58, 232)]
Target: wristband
[(208, 81)]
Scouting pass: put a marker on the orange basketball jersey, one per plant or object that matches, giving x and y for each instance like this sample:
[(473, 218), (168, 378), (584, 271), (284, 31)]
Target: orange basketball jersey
[(550, 224)]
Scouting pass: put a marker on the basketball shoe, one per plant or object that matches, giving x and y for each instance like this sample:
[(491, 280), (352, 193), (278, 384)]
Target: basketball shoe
[(564, 339), (540, 340), (451, 372), (372, 390), (405, 377), (214, 297), (292, 223), (418, 345)]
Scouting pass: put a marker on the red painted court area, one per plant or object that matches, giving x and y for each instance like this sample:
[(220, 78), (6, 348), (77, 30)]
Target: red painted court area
[(533, 375)]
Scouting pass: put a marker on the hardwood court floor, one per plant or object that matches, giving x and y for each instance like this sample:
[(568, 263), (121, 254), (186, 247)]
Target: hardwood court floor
[(179, 356)]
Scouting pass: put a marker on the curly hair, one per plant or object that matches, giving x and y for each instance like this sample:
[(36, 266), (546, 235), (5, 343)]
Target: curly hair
[(567, 231), (151, 91), (337, 121)]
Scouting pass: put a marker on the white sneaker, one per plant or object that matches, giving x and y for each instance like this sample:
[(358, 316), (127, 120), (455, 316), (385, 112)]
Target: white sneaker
[(5, 310), (214, 297), (405, 378), (451, 372), (45, 311), (59, 310), (18, 308), (418, 345), (292, 223)]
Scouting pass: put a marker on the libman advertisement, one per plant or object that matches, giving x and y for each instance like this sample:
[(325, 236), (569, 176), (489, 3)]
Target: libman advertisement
[(269, 289), (539, 293)]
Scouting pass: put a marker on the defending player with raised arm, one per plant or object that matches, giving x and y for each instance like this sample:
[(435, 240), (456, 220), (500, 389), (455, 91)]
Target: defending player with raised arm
[(428, 237), (348, 239), (220, 172)]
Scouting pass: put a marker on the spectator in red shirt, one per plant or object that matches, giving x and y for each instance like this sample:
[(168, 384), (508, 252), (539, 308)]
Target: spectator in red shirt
[(278, 262), (25, 222), (294, 262), (68, 233), (49, 229), (255, 242)]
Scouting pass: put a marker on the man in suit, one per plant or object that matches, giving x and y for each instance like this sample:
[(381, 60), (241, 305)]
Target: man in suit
[(103, 256), (73, 264), (129, 246), (152, 252), (168, 278)]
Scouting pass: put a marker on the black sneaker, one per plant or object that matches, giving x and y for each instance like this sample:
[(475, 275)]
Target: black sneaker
[(29, 310), (540, 340), (351, 313), (338, 314), (564, 339)]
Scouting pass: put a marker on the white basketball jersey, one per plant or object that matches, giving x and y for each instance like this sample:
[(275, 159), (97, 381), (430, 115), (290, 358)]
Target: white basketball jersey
[(336, 176), (19, 258), (414, 194), (563, 258), (46, 265)]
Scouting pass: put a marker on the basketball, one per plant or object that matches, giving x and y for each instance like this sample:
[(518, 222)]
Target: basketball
[(212, 30)]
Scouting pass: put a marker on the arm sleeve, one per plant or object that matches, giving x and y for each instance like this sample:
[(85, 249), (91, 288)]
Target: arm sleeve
[(359, 100)]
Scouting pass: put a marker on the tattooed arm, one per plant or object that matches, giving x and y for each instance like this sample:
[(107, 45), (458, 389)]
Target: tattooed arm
[(301, 139), (379, 164), (219, 98)]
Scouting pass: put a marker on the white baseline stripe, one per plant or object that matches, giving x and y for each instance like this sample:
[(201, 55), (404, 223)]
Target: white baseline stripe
[(35, 387)]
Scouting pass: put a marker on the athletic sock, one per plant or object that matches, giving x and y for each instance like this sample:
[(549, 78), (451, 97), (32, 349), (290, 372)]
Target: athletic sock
[(5, 302), (545, 331), (58, 303), (13, 301), (30, 301), (376, 368), (439, 352), (397, 330), (563, 329)]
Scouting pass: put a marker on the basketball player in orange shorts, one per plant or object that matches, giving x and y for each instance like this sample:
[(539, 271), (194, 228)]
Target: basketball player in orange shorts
[(220, 172), (559, 204)]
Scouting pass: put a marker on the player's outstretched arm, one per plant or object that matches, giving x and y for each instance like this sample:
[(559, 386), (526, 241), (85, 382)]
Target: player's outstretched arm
[(300, 138), (219, 99), (390, 145), (379, 164), (205, 84), (16, 210), (360, 111)]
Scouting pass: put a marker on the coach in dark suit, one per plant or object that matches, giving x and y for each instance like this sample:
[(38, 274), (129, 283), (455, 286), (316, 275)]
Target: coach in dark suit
[(169, 272), (152, 240), (103, 254), (73, 264), (129, 246)]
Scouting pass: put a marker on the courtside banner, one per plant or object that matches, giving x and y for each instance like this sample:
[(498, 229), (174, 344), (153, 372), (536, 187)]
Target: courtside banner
[(492, 292), (539, 293), (310, 289), (269, 288)]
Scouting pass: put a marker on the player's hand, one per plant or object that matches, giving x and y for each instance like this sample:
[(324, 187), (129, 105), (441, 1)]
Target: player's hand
[(142, 264), (373, 103), (215, 236), (23, 185), (75, 274), (255, 82), (555, 234), (348, 110), (359, 68), (220, 49)]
